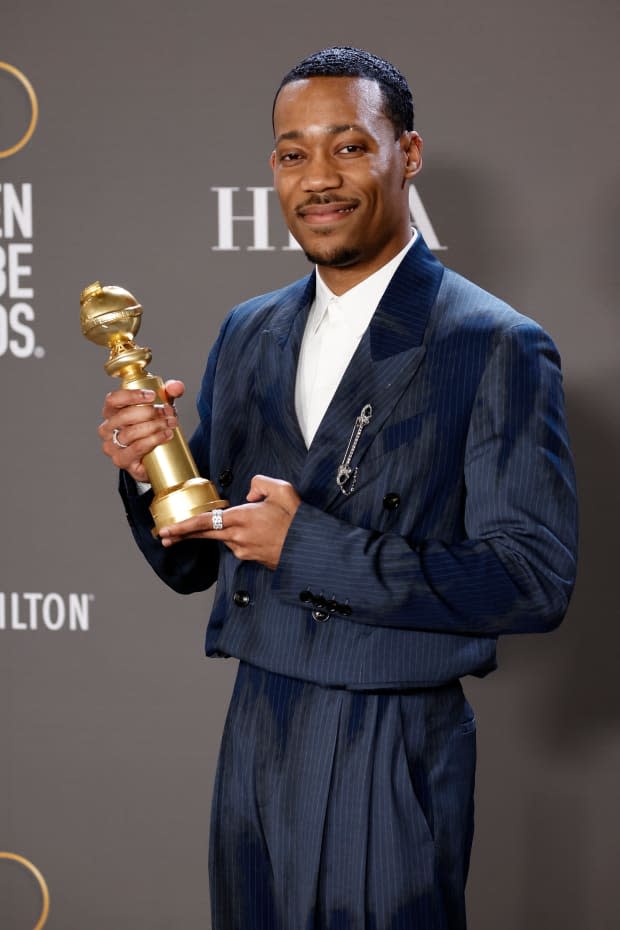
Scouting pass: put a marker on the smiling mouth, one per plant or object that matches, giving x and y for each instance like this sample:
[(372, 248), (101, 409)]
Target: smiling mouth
[(324, 213)]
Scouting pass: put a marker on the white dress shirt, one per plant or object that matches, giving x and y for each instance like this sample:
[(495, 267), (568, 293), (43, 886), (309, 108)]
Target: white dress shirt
[(333, 332)]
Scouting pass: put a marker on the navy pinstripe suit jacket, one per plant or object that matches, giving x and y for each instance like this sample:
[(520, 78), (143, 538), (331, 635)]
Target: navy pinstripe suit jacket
[(462, 521)]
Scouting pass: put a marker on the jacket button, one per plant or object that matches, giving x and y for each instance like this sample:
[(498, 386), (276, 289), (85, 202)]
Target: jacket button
[(241, 598), (225, 477), (320, 615), (391, 501), (306, 596)]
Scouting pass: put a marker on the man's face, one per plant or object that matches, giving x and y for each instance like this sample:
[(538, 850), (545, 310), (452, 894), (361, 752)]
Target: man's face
[(340, 173)]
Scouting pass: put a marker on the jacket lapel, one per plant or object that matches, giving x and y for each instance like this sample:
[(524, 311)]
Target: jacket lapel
[(278, 352), (382, 367)]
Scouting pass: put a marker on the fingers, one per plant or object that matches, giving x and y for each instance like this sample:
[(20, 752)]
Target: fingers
[(175, 389), (276, 491), (260, 486), (198, 527), (134, 425), (117, 400), (139, 438), (130, 458), (253, 532), (138, 422)]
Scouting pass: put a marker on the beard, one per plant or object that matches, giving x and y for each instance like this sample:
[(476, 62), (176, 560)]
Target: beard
[(337, 258)]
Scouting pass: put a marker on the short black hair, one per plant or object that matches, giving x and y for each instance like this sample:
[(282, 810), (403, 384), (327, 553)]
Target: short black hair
[(343, 61)]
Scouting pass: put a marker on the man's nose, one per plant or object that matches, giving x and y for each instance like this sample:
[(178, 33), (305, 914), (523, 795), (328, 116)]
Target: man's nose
[(321, 174)]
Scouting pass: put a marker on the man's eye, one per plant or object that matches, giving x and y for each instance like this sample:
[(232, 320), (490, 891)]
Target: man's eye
[(290, 156), (351, 149)]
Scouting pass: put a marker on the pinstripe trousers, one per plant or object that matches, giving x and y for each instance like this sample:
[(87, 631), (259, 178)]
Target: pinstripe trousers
[(342, 810)]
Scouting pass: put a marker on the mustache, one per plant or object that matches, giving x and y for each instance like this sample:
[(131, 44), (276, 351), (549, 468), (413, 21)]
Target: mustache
[(323, 200)]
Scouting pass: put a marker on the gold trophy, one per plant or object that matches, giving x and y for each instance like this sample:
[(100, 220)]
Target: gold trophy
[(110, 316)]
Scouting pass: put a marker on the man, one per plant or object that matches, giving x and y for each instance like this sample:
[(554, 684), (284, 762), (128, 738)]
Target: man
[(392, 442)]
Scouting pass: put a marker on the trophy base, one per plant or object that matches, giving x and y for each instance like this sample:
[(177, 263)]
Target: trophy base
[(173, 505)]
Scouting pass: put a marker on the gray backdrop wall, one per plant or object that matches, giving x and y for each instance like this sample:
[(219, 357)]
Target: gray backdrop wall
[(110, 717)]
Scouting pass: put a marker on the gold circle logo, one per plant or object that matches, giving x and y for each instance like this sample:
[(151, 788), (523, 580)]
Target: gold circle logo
[(34, 109), (42, 885)]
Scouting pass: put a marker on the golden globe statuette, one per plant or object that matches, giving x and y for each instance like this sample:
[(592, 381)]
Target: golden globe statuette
[(110, 316)]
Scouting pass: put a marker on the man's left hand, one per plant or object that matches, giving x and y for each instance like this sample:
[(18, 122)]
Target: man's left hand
[(254, 531)]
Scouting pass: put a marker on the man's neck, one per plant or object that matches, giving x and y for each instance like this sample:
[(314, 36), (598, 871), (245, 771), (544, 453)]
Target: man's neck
[(341, 280)]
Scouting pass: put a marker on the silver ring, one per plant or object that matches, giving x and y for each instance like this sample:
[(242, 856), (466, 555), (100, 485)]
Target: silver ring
[(217, 521), (116, 440)]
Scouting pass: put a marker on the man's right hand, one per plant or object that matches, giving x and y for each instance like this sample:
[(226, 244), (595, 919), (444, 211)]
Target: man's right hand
[(140, 425)]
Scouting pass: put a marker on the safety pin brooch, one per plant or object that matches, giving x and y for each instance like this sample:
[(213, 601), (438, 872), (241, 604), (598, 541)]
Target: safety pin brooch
[(345, 473)]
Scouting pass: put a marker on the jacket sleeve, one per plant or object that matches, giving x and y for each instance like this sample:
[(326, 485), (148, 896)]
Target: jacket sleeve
[(191, 565), (185, 567), (514, 569)]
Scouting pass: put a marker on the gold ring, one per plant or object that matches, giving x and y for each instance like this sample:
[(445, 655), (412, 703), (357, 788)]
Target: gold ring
[(34, 106), (42, 885)]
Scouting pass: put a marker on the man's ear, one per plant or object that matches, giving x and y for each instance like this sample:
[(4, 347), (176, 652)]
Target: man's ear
[(412, 146), (272, 160)]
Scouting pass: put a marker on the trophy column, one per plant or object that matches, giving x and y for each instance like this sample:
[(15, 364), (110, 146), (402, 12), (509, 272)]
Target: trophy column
[(111, 316)]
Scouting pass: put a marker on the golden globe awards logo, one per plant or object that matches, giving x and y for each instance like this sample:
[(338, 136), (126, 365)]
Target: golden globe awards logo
[(17, 337), (45, 895), (23, 139)]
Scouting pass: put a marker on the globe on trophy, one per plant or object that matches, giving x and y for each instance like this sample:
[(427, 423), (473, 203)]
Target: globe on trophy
[(110, 316)]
